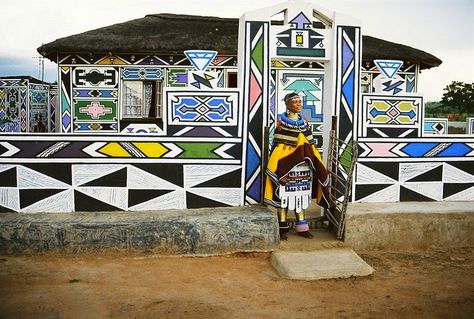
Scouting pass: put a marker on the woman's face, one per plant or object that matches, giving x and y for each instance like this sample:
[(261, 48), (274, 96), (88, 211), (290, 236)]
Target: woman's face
[(294, 105)]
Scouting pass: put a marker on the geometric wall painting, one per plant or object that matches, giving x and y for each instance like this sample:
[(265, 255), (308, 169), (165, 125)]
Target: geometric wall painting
[(367, 175), (9, 199), (141, 179), (203, 79), (299, 39), (139, 128), (384, 193), (309, 85), (95, 77), (116, 197), (458, 191), (200, 59), (419, 194), (390, 116), (417, 181), (60, 202), (435, 126), (429, 191), (171, 200), (217, 108), (86, 173), (470, 125), (37, 187), (391, 86), (32, 179), (424, 171), (142, 73), (453, 174), (388, 67)]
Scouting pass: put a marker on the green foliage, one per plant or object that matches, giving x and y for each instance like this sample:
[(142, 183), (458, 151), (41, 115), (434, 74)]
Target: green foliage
[(459, 96)]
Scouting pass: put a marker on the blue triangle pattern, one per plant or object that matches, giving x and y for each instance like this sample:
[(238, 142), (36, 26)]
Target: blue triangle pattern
[(253, 161)]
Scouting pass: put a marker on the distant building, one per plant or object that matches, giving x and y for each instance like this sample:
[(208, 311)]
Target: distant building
[(27, 105)]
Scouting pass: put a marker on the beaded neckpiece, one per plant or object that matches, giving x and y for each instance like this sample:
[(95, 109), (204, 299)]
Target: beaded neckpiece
[(299, 124)]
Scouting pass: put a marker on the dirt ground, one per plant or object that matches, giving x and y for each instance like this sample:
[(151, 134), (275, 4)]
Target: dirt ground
[(429, 284)]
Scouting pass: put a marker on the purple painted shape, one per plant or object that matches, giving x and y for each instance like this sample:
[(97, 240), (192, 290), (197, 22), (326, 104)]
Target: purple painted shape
[(347, 56), (202, 132), (32, 148), (181, 78), (66, 120), (300, 20)]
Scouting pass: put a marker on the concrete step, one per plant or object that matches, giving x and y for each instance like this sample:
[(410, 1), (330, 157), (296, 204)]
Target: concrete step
[(204, 231), (321, 257), (320, 264)]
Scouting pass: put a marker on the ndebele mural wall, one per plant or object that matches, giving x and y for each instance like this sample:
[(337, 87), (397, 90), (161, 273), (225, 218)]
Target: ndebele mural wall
[(142, 132), (403, 156)]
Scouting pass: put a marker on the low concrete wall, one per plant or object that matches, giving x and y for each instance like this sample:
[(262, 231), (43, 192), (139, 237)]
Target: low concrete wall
[(192, 231), (410, 225)]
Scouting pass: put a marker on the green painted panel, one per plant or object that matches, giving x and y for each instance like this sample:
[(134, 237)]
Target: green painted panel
[(90, 110)]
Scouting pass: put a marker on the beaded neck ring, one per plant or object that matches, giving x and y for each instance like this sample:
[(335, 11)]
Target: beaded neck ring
[(299, 124)]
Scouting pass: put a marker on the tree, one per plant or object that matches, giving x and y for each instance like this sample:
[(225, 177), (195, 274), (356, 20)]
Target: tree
[(460, 96)]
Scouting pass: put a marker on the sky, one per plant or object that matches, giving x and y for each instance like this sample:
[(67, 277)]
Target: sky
[(443, 28)]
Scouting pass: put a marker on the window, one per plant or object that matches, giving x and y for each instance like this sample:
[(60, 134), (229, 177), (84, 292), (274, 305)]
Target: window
[(142, 99)]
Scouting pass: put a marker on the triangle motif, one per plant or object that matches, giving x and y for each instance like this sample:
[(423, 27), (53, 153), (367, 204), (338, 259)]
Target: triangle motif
[(114, 179), (198, 174), (433, 175), (457, 189), (227, 196), (115, 196), (432, 191), (140, 179), (200, 59), (369, 175), (454, 174), (388, 67), (85, 173), (376, 193), (173, 200), (408, 171), (9, 198), (408, 195), (59, 203), (28, 178)]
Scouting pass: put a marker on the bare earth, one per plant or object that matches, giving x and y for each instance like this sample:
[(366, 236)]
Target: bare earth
[(433, 284)]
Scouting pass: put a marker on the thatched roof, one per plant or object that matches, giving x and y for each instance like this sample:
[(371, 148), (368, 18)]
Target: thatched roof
[(172, 34)]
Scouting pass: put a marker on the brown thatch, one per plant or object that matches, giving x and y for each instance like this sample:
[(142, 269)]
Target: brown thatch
[(172, 34)]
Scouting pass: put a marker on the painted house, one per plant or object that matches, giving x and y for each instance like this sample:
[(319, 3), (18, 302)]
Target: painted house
[(170, 111), (146, 56), (27, 105)]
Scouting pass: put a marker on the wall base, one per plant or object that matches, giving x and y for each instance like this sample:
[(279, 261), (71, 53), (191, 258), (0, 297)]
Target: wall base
[(173, 232), (410, 225)]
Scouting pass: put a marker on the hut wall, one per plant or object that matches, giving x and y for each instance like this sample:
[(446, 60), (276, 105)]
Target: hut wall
[(14, 105), (23, 103), (192, 157), (404, 156), (91, 93), (38, 109)]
